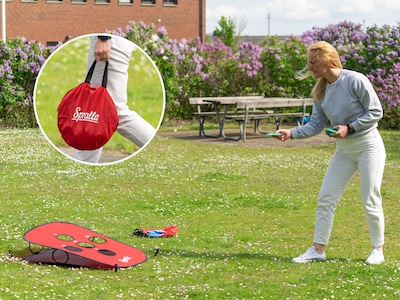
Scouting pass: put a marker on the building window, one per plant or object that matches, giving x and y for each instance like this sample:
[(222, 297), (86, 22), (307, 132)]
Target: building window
[(52, 44), (102, 1), (148, 2), (78, 1), (170, 2), (125, 2)]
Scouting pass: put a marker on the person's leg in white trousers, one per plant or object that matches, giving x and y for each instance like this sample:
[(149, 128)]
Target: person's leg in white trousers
[(366, 154), (130, 124)]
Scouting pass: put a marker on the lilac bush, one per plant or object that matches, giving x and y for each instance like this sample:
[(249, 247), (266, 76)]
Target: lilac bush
[(224, 73), (192, 68), (166, 54), (281, 60), (344, 36), (20, 62), (374, 53), (379, 59), (212, 69)]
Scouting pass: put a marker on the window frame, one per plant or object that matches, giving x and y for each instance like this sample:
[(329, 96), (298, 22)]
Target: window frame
[(148, 2), (125, 2), (78, 1), (170, 2), (102, 2)]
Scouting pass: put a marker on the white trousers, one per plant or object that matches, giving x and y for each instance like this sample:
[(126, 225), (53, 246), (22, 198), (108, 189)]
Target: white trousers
[(130, 124), (367, 154)]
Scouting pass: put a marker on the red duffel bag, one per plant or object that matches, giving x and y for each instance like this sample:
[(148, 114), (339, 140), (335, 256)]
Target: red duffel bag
[(87, 117)]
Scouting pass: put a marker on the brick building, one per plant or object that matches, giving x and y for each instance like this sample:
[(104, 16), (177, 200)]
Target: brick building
[(49, 21)]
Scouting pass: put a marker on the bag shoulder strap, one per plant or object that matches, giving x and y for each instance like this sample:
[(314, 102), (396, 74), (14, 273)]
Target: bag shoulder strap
[(90, 74)]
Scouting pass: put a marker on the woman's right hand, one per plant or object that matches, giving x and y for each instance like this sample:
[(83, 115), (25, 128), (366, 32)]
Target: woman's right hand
[(285, 134), (102, 50)]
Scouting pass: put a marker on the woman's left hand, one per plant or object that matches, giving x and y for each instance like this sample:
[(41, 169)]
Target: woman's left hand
[(342, 132)]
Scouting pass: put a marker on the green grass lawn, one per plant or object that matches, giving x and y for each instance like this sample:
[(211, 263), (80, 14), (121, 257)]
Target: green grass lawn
[(66, 68), (243, 213)]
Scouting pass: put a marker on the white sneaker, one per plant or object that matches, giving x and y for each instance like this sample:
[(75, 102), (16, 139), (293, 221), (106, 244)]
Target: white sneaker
[(310, 255), (376, 257)]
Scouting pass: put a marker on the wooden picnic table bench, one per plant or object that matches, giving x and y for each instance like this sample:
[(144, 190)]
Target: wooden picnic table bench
[(202, 115), (272, 108), (248, 108)]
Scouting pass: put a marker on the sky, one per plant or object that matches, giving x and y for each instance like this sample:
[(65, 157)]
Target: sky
[(286, 17)]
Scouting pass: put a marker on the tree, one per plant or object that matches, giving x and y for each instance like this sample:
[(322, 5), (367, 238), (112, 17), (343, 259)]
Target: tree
[(227, 31)]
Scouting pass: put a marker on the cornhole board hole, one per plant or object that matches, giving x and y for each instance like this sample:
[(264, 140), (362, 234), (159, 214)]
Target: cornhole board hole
[(75, 245)]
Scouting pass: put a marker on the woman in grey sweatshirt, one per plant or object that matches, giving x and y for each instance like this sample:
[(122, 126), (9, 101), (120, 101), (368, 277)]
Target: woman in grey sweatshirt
[(347, 100)]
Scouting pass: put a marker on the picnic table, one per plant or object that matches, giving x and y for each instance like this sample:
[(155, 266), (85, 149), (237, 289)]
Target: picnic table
[(220, 112), (248, 108)]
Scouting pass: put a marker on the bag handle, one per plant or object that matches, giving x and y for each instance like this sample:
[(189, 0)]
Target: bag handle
[(105, 74)]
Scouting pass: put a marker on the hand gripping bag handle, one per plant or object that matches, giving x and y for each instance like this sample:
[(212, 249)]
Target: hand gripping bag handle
[(105, 74)]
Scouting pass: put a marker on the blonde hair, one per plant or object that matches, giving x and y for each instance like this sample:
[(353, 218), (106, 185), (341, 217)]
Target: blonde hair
[(325, 52)]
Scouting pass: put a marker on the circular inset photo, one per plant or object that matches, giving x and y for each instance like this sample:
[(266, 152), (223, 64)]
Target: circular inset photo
[(99, 99)]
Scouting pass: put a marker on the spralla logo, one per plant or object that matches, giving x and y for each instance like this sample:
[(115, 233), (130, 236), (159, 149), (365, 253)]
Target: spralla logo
[(79, 115), (125, 259)]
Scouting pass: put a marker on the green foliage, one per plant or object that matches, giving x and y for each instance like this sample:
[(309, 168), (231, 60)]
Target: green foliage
[(19, 114), (192, 68), (227, 31), (282, 59), (20, 62), (391, 118)]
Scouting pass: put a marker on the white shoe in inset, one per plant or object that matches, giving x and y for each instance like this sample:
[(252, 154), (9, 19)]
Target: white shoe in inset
[(310, 255), (376, 257)]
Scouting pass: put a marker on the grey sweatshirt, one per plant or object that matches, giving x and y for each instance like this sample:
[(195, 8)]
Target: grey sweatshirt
[(350, 99)]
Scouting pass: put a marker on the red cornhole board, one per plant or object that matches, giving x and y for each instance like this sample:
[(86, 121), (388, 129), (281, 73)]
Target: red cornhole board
[(76, 245)]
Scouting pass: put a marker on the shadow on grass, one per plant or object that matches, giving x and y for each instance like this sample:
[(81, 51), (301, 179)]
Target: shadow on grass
[(244, 255), (208, 255)]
